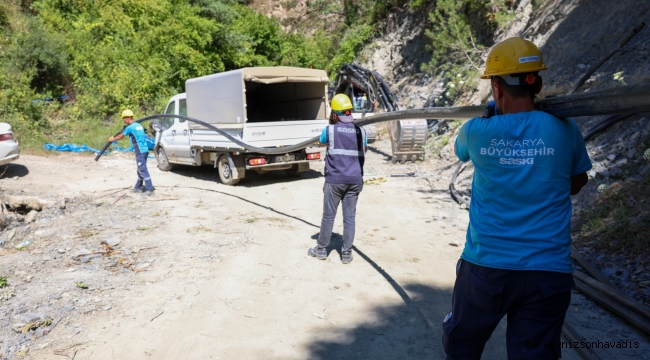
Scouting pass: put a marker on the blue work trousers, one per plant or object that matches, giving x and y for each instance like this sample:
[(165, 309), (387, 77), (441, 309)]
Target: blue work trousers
[(333, 194), (143, 173), (534, 301)]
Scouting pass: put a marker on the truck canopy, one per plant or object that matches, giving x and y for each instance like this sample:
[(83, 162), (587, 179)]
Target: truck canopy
[(259, 94)]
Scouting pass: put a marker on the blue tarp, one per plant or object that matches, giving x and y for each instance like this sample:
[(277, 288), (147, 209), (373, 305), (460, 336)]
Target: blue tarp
[(81, 148), (70, 147)]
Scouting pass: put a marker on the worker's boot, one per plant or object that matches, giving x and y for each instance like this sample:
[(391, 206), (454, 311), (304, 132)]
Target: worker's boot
[(147, 192), (346, 257), (321, 254), (137, 190)]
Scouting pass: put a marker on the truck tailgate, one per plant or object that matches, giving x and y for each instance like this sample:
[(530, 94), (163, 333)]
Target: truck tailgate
[(269, 134)]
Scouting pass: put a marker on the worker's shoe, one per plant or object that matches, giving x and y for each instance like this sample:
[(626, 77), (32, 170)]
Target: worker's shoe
[(321, 254), (346, 257), (147, 193), (137, 190)]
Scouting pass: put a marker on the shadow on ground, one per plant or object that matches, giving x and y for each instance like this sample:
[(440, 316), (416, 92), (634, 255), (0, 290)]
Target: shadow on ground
[(405, 331), (373, 149), (336, 243), (252, 179), (13, 170), (410, 330)]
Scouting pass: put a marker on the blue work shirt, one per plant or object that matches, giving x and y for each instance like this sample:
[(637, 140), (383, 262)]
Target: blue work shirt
[(520, 211), (138, 140), (323, 138)]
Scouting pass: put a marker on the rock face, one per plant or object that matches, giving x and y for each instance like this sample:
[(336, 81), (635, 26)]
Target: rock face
[(398, 56)]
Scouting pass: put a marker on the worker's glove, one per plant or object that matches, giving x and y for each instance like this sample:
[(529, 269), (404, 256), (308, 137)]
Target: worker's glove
[(490, 110)]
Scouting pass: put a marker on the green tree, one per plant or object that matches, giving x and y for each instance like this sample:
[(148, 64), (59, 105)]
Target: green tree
[(105, 55)]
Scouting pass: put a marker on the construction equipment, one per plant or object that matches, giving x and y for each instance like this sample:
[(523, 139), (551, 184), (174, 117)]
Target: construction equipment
[(367, 89)]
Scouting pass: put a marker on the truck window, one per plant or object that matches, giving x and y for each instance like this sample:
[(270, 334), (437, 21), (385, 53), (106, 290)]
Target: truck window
[(182, 108), (171, 109)]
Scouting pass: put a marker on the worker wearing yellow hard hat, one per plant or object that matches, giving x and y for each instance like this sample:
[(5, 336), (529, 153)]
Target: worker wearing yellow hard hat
[(135, 131), (342, 105), (516, 256), (127, 113), (346, 147)]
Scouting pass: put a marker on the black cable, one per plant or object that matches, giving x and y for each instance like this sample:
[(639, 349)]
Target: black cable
[(620, 100), (604, 124), (454, 194), (244, 146)]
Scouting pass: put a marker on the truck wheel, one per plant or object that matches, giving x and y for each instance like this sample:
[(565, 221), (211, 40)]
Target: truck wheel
[(225, 172), (294, 171), (161, 159)]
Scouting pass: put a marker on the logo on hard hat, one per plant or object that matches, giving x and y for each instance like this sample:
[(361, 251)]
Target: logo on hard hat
[(528, 59)]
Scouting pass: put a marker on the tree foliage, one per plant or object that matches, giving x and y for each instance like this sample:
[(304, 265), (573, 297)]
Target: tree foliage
[(459, 33), (461, 29), (105, 55)]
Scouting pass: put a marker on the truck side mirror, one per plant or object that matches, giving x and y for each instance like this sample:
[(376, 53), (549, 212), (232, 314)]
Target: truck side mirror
[(155, 126)]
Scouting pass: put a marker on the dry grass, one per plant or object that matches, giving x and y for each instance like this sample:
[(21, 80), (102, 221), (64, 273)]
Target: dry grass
[(620, 218)]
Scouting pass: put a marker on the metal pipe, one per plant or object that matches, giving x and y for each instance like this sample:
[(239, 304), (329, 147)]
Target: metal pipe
[(622, 299)]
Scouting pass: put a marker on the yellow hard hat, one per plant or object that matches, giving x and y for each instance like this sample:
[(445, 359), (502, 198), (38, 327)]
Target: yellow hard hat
[(513, 56), (127, 113), (341, 102)]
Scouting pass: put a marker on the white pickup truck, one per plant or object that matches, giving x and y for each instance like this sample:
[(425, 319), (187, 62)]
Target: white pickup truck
[(270, 107)]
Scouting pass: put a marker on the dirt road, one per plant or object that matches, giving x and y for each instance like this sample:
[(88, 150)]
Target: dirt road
[(207, 271)]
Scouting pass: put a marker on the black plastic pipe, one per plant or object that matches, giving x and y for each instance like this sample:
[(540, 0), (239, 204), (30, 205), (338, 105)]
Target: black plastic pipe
[(619, 100)]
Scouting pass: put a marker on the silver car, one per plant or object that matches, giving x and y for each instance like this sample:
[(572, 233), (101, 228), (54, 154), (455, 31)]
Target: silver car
[(9, 150)]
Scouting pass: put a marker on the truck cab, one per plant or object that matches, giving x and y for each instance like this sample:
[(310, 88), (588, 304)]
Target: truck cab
[(175, 136)]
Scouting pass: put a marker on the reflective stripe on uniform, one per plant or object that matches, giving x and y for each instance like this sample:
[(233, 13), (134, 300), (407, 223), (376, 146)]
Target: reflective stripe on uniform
[(346, 152), (330, 137)]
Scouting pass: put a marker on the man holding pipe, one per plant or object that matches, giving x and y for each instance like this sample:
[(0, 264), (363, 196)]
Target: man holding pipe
[(516, 256), (135, 131), (346, 148)]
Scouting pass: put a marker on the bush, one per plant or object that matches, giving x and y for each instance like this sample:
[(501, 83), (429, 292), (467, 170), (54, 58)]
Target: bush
[(349, 46), (460, 31), (109, 55)]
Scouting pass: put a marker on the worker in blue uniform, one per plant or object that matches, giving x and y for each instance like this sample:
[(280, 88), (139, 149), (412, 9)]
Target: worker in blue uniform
[(516, 257), (135, 132)]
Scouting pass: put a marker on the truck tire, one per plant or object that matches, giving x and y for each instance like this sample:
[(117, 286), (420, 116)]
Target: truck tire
[(161, 159), (294, 171), (225, 172)]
